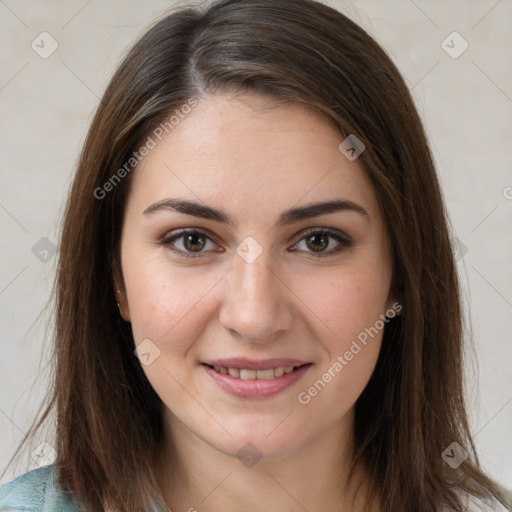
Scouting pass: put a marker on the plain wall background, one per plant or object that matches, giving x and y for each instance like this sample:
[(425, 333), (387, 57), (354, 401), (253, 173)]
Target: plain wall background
[(47, 104)]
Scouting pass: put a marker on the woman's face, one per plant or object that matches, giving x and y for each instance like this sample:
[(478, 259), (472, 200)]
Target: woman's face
[(261, 281)]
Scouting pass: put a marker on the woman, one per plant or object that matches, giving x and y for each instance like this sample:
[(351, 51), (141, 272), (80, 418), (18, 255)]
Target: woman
[(257, 302)]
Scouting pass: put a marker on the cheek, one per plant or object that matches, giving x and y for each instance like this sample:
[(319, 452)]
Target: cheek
[(347, 302), (352, 311), (167, 306), (350, 308), (160, 305), (168, 303)]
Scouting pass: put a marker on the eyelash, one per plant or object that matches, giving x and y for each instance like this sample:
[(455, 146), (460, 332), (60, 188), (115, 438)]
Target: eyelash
[(344, 241)]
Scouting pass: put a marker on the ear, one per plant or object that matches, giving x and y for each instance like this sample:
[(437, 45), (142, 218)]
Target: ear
[(393, 306), (394, 301), (121, 297)]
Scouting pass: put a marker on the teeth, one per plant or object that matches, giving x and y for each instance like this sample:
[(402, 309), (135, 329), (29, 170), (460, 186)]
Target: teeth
[(234, 372), (279, 371), (248, 374), (265, 374), (245, 374)]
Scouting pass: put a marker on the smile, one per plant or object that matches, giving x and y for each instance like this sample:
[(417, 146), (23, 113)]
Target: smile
[(260, 380), (247, 374)]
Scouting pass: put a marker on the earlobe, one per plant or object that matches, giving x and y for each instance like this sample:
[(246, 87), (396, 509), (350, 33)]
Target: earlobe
[(122, 302), (393, 308)]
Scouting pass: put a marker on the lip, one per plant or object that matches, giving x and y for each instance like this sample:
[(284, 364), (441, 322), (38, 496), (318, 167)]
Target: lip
[(256, 388), (252, 364)]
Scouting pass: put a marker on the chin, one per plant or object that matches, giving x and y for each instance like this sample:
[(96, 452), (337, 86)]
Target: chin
[(256, 446)]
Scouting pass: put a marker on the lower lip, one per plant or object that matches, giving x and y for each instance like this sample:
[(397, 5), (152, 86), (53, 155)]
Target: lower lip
[(256, 388)]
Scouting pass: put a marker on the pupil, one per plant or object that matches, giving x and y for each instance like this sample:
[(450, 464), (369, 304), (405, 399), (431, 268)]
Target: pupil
[(194, 242), (319, 242)]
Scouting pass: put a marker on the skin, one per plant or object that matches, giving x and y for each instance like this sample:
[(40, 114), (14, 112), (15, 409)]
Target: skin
[(253, 162)]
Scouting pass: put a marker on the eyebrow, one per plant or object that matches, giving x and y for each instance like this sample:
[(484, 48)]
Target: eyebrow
[(287, 217)]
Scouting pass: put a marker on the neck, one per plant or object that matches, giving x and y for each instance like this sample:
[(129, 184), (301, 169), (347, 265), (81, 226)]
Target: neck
[(195, 476)]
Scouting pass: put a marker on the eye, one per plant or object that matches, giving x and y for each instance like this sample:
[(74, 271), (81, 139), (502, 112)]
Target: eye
[(323, 242), (318, 242), (188, 242)]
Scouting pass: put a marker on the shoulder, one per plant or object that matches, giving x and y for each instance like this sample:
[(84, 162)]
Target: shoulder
[(36, 491)]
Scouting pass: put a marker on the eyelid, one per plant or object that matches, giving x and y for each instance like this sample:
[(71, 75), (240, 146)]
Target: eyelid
[(179, 233), (323, 229), (343, 240), (186, 231)]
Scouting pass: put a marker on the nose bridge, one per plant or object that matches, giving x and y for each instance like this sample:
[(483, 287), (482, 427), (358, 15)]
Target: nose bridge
[(255, 280), (255, 305)]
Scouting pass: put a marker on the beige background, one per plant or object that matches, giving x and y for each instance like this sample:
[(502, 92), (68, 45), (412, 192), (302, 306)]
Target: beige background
[(466, 102)]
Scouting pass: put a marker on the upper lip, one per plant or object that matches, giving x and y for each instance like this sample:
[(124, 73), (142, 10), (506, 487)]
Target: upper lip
[(251, 364)]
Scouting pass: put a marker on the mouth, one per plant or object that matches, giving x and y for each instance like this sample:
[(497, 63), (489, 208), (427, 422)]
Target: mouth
[(248, 374), (253, 379)]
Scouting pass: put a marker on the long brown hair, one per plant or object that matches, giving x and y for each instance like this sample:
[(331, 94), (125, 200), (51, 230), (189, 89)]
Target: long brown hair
[(108, 417)]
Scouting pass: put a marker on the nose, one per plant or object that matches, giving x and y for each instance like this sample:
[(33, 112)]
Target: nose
[(256, 305)]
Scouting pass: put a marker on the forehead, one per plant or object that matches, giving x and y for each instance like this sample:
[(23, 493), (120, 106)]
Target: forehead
[(242, 152)]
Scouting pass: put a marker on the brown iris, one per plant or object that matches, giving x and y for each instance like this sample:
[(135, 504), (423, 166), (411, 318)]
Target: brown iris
[(194, 242), (318, 242)]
